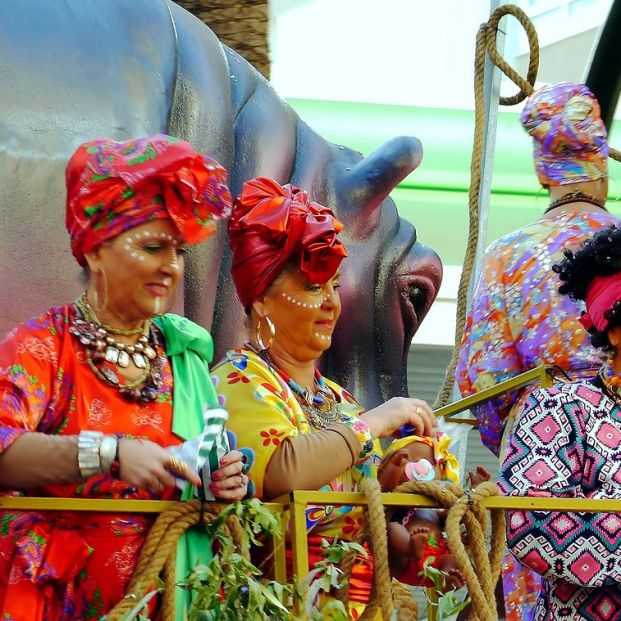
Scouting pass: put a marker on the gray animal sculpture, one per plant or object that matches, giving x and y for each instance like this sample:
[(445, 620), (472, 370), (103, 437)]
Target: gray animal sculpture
[(79, 69)]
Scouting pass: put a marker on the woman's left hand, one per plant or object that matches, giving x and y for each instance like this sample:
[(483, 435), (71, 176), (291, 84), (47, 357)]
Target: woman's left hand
[(229, 482)]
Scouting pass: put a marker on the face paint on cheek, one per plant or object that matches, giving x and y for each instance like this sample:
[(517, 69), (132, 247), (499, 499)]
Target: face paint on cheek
[(297, 302)]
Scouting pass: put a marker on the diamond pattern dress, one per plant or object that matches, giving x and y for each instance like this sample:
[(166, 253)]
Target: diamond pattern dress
[(567, 444)]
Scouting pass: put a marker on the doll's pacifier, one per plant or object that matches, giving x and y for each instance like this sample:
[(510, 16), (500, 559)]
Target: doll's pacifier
[(421, 470)]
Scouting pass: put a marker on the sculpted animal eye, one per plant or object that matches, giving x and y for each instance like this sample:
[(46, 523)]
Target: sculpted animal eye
[(418, 297)]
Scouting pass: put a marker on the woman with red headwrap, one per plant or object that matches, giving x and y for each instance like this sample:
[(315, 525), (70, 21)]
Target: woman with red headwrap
[(305, 431), (567, 444), (86, 389)]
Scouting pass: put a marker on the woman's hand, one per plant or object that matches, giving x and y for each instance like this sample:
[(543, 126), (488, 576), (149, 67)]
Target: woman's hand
[(229, 482), (147, 465), (385, 419)]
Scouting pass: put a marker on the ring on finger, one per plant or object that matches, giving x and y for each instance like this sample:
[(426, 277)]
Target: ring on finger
[(418, 410), (243, 480), (176, 466)]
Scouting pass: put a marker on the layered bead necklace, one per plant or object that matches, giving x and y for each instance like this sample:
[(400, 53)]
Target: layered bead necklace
[(101, 347), (576, 197), (318, 405)]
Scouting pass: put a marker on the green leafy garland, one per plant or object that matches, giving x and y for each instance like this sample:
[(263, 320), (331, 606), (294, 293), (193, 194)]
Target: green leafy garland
[(229, 587)]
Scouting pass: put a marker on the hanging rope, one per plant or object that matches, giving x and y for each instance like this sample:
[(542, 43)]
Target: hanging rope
[(159, 552), (486, 44), (480, 568)]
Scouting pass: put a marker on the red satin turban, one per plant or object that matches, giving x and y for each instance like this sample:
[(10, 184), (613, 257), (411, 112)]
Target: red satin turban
[(115, 186), (273, 224)]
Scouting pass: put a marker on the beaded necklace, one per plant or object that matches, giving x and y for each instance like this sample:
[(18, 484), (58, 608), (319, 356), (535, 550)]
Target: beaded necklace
[(101, 347), (318, 405), (576, 197)]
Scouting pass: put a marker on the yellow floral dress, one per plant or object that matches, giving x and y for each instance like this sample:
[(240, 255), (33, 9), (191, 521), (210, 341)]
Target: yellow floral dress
[(264, 412)]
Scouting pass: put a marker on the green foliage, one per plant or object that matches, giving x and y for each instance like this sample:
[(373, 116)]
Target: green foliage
[(445, 605), (326, 577), (229, 588)]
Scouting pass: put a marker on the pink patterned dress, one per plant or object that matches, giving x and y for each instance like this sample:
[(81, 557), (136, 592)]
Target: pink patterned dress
[(567, 444)]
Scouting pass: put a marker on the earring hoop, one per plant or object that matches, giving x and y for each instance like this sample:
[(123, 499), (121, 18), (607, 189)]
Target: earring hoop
[(258, 336), (100, 308)]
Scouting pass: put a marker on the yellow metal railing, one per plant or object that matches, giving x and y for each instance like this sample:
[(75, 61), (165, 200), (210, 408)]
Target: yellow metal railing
[(22, 503), (293, 506), (541, 375)]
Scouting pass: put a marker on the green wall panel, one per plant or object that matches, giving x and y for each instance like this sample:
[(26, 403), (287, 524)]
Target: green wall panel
[(434, 197)]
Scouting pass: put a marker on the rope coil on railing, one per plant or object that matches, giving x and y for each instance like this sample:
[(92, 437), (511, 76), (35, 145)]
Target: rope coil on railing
[(486, 45), (158, 553), (480, 568)]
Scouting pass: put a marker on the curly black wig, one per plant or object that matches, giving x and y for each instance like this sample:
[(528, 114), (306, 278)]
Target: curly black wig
[(598, 256)]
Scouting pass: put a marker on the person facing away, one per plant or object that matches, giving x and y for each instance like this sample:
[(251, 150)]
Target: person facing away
[(304, 430), (517, 320), (567, 444), (86, 389)]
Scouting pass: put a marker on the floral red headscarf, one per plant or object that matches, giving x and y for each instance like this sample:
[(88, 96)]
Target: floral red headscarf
[(270, 225), (115, 186)]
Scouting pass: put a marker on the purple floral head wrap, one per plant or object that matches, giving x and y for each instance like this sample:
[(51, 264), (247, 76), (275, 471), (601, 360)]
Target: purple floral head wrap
[(569, 137)]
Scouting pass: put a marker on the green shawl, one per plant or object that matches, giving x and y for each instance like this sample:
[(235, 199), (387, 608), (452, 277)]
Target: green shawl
[(189, 348)]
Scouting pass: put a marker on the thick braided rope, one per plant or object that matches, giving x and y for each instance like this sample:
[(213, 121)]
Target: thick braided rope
[(407, 608), (384, 590), (159, 550), (480, 570), (485, 44), (381, 595)]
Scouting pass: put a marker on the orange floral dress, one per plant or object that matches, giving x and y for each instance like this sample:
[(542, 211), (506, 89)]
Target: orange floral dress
[(61, 566)]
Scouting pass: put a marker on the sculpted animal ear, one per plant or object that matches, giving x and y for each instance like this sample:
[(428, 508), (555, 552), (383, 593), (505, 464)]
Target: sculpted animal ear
[(370, 181)]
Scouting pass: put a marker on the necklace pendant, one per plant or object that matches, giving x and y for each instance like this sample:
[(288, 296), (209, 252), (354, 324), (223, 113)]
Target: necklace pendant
[(112, 355), (149, 352), (123, 360), (110, 375), (139, 360)]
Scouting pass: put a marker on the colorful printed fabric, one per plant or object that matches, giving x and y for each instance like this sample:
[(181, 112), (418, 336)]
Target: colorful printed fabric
[(64, 566), (115, 186), (517, 319), (569, 137), (567, 444), (269, 226), (263, 412)]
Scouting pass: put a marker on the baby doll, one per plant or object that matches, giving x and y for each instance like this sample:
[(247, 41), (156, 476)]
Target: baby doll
[(416, 534)]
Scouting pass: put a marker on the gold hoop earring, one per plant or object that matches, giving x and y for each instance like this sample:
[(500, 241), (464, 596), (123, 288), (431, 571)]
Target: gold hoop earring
[(257, 333), (99, 308)]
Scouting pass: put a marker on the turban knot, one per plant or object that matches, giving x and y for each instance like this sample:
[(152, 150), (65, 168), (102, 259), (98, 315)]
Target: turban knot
[(272, 225), (115, 186), (569, 137)]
